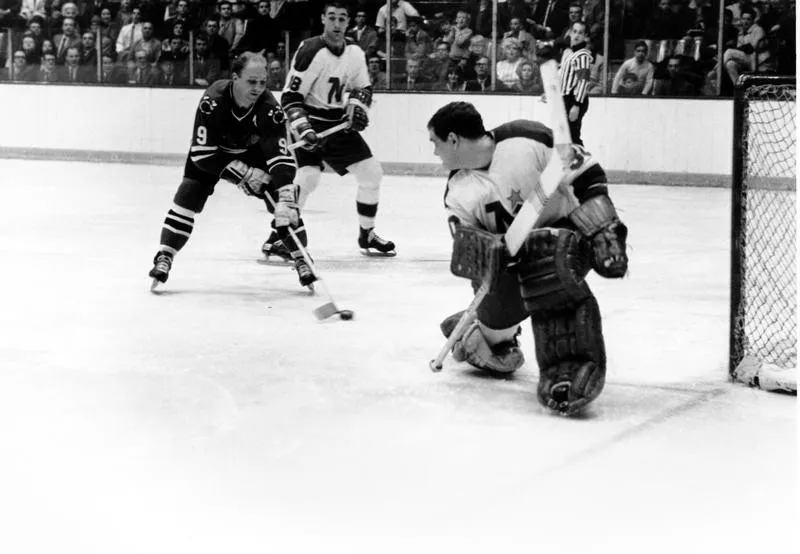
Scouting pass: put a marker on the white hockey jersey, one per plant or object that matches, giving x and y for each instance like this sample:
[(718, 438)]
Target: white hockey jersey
[(488, 198), (319, 78)]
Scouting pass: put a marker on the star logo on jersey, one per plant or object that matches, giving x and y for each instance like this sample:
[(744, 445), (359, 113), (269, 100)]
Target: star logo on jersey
[(515, 200)]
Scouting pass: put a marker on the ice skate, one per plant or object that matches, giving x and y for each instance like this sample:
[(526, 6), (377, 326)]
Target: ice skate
[(373, 245), (275, 252), (304, 273), (162, 263)]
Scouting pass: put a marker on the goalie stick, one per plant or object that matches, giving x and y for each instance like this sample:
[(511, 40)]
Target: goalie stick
[(528, 216)]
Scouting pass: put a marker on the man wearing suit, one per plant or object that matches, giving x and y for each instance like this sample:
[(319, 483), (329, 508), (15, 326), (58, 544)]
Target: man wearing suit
[(413, 79), (72, 71), (68, 38), (47, 72), (142, 73), (364, 35)]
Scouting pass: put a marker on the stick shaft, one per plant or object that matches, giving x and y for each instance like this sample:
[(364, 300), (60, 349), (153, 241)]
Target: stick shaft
[(321, 135), (466, 319)]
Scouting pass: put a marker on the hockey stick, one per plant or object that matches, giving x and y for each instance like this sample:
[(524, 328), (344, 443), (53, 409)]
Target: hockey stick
[(329, 308), (466, 319), (529, 214), (321, 135)]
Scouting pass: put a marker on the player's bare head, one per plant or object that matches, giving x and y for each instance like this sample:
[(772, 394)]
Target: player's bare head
[(249, 75), (335, 18), (458, 118), (452, 130)]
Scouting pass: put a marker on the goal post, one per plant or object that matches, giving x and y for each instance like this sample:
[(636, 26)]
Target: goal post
[(763, 316)]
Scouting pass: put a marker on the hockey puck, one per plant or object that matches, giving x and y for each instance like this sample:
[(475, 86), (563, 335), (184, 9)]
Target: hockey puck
[(346, 314)]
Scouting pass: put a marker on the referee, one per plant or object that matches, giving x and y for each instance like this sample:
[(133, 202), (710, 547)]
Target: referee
[(576, 62)]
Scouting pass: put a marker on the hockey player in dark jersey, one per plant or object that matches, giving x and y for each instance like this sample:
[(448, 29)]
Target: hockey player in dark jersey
[(323, 69), (239, 136), (492, 173)]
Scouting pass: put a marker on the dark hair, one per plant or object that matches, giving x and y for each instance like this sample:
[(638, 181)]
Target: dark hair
[(460, 118), (337, 5), (640, 44), (244, 58)]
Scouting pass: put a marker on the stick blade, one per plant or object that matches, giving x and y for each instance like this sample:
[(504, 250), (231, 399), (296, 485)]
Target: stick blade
[(325, 311)]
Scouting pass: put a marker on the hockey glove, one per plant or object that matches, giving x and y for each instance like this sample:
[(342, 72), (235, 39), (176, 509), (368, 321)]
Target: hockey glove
[(302, 129), (597, 220), (357, 105), (287, 211), (251, 180)]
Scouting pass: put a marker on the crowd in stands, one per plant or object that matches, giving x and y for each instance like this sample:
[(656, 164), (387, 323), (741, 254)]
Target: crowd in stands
[(655, 47)]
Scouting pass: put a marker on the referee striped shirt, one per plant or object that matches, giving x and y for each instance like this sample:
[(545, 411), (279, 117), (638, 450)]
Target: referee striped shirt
[(575, 68)]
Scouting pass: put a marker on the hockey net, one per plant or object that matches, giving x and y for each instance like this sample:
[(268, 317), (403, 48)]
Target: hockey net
[(763, 342)]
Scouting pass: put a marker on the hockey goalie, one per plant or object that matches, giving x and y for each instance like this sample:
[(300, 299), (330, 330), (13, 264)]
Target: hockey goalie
[(492, 174)]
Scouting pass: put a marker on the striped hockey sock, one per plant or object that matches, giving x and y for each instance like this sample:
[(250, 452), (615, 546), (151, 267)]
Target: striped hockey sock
[(177, 229)]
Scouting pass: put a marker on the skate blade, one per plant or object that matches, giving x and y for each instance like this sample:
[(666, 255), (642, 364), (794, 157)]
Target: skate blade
[(377, 254), (276, 261), (325, 311), (154, 285)]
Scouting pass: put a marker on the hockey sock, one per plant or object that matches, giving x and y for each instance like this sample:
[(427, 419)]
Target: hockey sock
[(300, 231), (366, 214), (289, 242), (177, 229)]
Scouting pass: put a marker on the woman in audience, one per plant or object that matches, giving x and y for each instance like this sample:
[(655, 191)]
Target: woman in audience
[(455, 79), (507, 68), (529, 80)]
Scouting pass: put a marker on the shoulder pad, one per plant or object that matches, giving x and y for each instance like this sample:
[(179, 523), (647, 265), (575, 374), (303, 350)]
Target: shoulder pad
[(524, 128), (305, 54)]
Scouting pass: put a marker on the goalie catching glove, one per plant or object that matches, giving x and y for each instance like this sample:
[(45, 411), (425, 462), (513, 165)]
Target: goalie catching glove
[(287, 212), (251, 180), (358, 105)]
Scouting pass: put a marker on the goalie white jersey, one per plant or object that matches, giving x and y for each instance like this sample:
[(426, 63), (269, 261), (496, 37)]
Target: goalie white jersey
[(319, 78), (488, 198)]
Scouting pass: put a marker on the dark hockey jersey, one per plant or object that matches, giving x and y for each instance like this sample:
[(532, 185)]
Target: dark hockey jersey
[(223, 131)]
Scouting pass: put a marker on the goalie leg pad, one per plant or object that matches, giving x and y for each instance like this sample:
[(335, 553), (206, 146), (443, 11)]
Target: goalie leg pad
[(571, 355), (502, 358), (552, 270), (477, 254)]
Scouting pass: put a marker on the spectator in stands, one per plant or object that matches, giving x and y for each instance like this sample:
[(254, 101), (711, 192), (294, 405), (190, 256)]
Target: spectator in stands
[(482, 82), (169, 74), (36, 28), (736, 8), (68, 38), (72, 71), (455, 79), (47, 71), (401, 11), (745, 57), (459, 37), (276, 76), (129, 35), (574, 15), (635, 75), (142, 72), (206, 65), (418, 42), (32, 8), (19, 71), (507, 67), (530, 81), (176, 47), (88, 50), (364, 35), (597, 68), (125, 13), (92, 9), (524, 37), (47, 47), (262, 32), (218, 46), (549, 18), (181, 15), (412, 78), (680, 80), (109, 27), (438, 64), (231, 28), (112, 74), (663, 24), (481, 17), (31, 51), (149, 43), (785, 35), (376, 77)]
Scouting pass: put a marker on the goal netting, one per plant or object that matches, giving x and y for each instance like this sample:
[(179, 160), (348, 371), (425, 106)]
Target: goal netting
[(763, 345)]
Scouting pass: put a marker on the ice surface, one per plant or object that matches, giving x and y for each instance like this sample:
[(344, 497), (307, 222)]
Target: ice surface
[(220, 416)]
